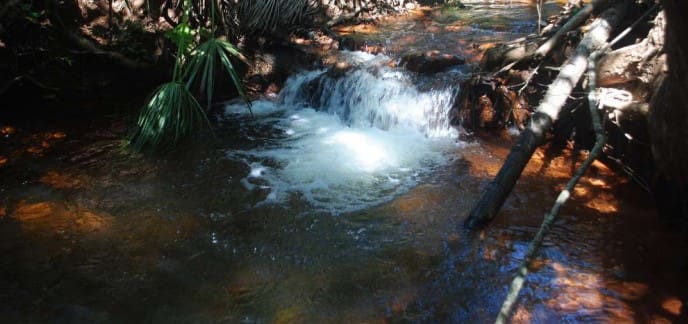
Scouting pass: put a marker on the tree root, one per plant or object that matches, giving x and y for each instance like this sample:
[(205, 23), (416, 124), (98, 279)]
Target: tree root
[(89, 48)]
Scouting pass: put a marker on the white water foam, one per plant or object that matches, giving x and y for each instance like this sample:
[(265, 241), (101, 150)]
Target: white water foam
[(348, 142)]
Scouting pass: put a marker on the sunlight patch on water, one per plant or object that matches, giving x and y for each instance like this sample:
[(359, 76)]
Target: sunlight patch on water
[(367, 153)]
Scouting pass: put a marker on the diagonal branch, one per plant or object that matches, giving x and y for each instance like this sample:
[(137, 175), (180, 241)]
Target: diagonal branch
[(600, 140), (555, 98)]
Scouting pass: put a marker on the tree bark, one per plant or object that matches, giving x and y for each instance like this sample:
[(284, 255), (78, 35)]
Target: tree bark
[(498, 190), (669, 113), (574, 22), (638, 67)]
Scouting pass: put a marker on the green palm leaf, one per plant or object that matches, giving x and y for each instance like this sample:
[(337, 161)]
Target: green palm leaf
[(272, 15), (171, 114), (203, 64)]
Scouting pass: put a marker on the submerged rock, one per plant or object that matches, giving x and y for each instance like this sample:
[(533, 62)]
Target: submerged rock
[(76, 314), (430, 61)]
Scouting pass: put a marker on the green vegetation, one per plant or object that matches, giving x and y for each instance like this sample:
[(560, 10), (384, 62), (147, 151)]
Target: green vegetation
[(106, 38), (172, 113), (272, 15), (202, 65)]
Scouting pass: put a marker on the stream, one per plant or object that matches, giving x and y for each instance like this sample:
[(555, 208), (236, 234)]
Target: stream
[(339, 200)]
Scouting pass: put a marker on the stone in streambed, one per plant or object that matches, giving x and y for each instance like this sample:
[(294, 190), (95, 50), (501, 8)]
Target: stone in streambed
[(430, 61), (73, 314)]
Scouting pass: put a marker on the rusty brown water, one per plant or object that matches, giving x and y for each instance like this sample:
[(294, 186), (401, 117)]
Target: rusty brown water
[(92, 233)]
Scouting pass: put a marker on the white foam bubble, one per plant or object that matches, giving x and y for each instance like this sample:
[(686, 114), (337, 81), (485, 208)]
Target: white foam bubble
[(363, 139)]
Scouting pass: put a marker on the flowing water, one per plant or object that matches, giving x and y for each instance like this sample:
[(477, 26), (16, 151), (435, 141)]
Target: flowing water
[(347, 142), (339, 200)]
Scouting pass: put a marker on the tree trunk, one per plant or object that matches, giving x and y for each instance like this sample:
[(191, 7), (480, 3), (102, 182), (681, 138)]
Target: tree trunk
[(669, 112), (498, 190)]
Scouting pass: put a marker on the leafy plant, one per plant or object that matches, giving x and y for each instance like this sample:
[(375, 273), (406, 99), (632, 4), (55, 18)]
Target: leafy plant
[(172, 113), (30, 14), (202, 66), (183, 36), (271, 15)]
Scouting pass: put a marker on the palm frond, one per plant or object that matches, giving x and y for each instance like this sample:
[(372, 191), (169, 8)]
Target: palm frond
[(272, 15), (170, 115), (203, 64)]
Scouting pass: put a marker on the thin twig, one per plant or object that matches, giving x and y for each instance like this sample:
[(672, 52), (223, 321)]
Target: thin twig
[(530, 77)]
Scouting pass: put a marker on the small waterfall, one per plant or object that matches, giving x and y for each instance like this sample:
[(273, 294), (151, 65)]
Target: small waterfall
[(347, 140), (371, 94)]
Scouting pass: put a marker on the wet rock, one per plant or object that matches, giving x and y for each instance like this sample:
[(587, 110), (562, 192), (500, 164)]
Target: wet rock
[(172, 273), (339, 69), (487, 112), (177, 314), (270, 67), (353, 43), (11, 315), (430, 61), (76, 314), (431, 2), (499, 56)]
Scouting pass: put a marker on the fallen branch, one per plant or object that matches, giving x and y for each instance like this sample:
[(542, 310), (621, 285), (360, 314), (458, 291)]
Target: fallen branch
[(497, 191), (600, 139), (545, 48), (575, 21), (530, 78), (117, 58)]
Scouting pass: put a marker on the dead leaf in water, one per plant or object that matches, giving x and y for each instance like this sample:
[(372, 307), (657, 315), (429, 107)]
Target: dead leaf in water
[(91, 222), (61, 181), (35, 150), (28, 212), (8, 130), (672, 305), (630, 291)]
